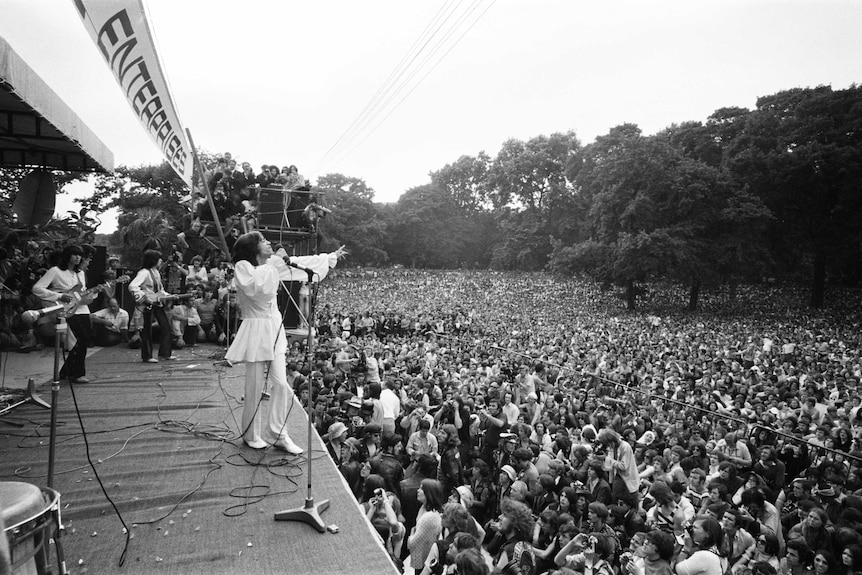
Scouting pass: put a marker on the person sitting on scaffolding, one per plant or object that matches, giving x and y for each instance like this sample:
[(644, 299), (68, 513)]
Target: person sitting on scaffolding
[(234, 213), (191, 240), (295, 181), (263, 179)]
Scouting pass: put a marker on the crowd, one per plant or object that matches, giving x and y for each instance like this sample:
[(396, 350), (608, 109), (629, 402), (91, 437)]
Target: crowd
[(488, 420), (236, 191)]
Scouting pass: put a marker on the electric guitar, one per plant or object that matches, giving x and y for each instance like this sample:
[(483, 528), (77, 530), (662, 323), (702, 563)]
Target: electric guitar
[(77, 294), (149, 299), (68, 308)]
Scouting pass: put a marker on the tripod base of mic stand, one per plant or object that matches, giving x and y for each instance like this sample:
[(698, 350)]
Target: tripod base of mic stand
[(309, 513), (33, 398), (30, 397)]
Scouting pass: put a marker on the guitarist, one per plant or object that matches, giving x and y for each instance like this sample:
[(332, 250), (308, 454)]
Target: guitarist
[(57, 285), (146, 289)]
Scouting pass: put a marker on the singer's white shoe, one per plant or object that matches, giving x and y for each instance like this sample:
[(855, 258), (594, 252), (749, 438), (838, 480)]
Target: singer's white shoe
[(287, 444), (255, 443)]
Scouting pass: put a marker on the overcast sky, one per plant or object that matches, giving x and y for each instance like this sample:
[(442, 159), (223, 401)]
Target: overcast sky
[(279, 82)]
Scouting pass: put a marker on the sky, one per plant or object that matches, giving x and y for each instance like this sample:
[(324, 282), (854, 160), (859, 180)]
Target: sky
[(281, 82)]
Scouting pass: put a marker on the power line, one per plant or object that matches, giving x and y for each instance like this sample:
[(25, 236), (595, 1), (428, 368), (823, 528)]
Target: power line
[(406, 81), (433, 67), (393, 76), (381, 107)]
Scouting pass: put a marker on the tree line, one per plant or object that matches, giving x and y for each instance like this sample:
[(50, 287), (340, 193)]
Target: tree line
[(748, 195), (769, 193)]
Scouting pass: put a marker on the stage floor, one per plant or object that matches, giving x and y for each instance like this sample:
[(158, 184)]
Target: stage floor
[(161, 437)]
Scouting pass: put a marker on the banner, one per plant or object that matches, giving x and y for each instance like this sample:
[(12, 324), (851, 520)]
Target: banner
[(119, 29)]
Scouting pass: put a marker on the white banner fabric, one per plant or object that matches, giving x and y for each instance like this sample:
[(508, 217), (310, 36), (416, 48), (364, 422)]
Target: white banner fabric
[(121, 33)]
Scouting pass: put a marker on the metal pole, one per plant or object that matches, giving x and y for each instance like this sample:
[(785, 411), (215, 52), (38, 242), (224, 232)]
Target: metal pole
[(208, 194), (310, 512), (309, 354), (59, 330)]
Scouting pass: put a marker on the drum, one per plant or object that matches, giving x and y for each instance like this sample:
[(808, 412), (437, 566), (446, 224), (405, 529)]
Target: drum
[(31, 516)]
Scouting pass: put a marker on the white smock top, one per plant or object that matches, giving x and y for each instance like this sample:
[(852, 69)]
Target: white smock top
[(261, 333)]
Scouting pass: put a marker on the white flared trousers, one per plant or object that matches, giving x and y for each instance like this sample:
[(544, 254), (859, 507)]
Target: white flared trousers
[(254, 411)]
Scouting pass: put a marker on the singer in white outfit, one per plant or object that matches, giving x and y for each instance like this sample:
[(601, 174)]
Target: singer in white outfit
[(260, 342)]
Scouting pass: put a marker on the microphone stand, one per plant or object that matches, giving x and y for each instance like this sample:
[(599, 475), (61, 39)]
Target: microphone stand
[(310, 512), (59, 331)]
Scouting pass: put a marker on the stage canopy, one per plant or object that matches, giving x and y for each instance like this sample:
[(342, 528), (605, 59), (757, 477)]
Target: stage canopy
[(37, 129)]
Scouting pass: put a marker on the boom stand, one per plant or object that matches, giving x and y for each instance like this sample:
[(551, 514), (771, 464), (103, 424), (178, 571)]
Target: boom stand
[(310, 512)]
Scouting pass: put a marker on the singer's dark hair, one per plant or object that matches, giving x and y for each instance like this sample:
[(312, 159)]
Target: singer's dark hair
[(245, 248)]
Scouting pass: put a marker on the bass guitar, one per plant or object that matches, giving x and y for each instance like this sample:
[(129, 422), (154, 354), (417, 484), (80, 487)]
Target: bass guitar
[(148, 300), (78, 295), (69, 308)]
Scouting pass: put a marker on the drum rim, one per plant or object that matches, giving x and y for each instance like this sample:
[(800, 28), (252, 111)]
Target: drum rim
[(51, 505)]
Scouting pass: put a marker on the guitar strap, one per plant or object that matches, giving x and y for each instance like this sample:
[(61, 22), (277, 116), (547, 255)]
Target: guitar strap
[(157, 284)]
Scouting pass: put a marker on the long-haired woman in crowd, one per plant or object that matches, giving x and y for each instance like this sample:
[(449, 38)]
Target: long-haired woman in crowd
[(540, 437), (701, 555), (765, 550), (825, 563), (813, 529), (851, 560), (429, 524), (454, 520)]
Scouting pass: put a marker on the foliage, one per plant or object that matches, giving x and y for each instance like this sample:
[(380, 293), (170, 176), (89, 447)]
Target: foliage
[(801, 153), (772, 192), (150, 204), (654, 212), (354, 220), (427, 229), (528, 174), (466, 181), (76, 227)]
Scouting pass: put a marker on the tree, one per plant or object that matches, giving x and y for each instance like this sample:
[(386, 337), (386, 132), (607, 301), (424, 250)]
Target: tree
[(140, 226), (653, 212), (355, 220), (340, 182), (151, 203), (526, 174), (427, 229), (801, 151), (466, 181)]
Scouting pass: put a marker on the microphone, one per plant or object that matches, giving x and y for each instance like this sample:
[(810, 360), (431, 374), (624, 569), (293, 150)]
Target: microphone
[(30, 316), (298, 267)]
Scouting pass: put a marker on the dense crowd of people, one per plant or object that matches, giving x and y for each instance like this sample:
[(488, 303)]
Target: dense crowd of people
[(490, 421), (236, 189)]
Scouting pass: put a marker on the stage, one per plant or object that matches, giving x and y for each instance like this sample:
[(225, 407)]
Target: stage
[(195, 500)]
